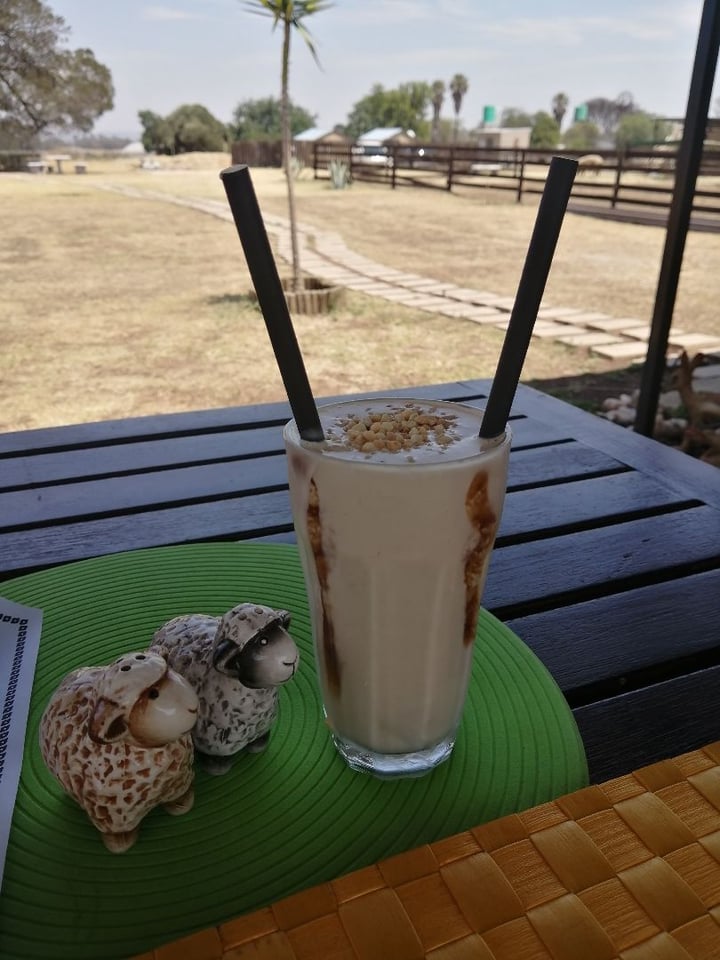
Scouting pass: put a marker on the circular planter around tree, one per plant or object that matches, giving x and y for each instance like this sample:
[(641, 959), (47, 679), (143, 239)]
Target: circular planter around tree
[(314, 297)]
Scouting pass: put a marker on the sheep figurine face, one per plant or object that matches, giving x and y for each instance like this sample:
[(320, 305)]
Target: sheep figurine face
[(253, 646), (235, 664), (117, 738)]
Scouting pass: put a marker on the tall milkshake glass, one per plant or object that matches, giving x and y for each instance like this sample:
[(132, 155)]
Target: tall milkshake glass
[(396, 513)]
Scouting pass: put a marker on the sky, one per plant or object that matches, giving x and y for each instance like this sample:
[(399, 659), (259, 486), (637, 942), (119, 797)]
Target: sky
[(520, 54)]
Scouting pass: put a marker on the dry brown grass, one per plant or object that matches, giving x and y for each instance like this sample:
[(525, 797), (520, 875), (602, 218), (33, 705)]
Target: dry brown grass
[(114, 307)]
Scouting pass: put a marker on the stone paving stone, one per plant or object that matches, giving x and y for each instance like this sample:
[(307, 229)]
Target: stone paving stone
[(437, 303), (481, 315), (692, 339), (592, 339), (457, 309), (627, 350), (407, 279), (637, 333), (470, 296), (548, 326), (366, 282), (340, 273), (612, 323), (557, 330), (426, 284), (506, 303), (475, 314), (397, 295), (489, 312), (587, 318), (550, 313)]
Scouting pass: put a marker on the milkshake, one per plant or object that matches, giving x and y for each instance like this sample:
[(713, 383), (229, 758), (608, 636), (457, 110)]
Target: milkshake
[(396, 513)]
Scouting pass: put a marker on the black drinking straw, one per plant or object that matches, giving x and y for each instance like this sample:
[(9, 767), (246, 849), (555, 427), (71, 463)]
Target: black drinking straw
[(530, 290), (260, 261)]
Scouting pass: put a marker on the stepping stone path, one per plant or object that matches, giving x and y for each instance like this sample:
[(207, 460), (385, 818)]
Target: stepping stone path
[(325, 256)]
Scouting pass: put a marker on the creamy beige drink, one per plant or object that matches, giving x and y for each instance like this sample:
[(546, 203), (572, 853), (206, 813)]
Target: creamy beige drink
[(396, 514)]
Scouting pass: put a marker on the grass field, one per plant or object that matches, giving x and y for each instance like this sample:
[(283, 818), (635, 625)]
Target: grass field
[(114, 306)]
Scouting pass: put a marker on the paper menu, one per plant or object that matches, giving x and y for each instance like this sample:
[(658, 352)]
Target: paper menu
[(20, 629)]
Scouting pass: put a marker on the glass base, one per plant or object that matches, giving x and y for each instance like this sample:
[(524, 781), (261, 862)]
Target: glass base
[(389, 766)]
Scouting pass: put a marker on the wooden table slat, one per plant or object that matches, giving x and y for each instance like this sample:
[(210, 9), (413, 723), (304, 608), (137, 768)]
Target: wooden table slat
[(162, 453), (162, 488), (157, 427), (598, 648), (568, 566), (651, 724)]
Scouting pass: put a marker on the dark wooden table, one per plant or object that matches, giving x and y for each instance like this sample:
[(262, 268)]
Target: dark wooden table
[(607, 562)]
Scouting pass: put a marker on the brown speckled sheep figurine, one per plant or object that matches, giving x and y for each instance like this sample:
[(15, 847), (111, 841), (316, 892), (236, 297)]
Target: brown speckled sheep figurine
[(235, 664), (117, 738)]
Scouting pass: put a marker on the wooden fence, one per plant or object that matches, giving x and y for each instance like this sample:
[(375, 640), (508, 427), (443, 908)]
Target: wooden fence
[(637, 178), (257, 153)]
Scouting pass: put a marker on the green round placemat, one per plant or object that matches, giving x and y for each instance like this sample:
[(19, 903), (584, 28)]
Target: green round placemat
[(280, 821)]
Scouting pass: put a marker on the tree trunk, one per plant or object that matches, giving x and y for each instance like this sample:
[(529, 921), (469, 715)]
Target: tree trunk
[(287, 155)]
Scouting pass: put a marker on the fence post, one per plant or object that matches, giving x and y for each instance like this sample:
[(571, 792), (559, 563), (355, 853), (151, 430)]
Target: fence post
[(521, 176), (451, 159), (618, 174), (393, 157)]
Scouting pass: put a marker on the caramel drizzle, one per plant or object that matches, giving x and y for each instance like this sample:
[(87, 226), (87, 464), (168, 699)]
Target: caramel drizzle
[(484, 521), (329, 650)]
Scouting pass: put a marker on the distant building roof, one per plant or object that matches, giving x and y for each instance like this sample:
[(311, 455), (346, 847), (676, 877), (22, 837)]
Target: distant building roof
[(381, 134), (313, 133)]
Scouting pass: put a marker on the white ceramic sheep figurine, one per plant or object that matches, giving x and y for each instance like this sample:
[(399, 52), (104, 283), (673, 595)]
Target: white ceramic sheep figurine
[(235, 664), (117, 738)]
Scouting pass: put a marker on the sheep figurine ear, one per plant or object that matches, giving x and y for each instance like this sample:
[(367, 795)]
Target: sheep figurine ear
[(107, 723)]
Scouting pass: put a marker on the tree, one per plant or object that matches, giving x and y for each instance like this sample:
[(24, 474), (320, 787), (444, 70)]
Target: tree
[(42, 84), (559, 107), (545, 134), (607, 113), (582, 135), (437, 96), (458, 89), (195, 128), (403, 107), (640, 129), (157, 135), (512, 117), (262, 119), (291, 14), (189, 128)]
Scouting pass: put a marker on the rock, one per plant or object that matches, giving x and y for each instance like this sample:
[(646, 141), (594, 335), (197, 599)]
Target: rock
[(671, 429), (624, 416), (669, 401)]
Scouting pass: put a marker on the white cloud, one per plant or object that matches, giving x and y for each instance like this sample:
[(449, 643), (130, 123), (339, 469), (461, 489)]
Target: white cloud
[(163, 14), (574, 31)]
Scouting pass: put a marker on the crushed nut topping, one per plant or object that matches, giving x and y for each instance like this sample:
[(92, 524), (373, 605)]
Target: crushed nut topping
[(392, 431)]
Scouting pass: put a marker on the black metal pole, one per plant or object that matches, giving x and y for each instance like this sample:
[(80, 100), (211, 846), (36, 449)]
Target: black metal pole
[(686, 171)]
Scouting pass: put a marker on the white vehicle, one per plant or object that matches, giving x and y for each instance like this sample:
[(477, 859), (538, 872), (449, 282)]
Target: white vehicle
[(374, 155)]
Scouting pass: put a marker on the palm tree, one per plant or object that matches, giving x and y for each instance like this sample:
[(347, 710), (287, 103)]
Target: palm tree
[(291, 14), (559, 107), (458, 89), (437, 97)]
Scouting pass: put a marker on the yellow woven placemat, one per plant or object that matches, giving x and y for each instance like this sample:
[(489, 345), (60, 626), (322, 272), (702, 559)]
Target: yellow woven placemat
[(629, 869)]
